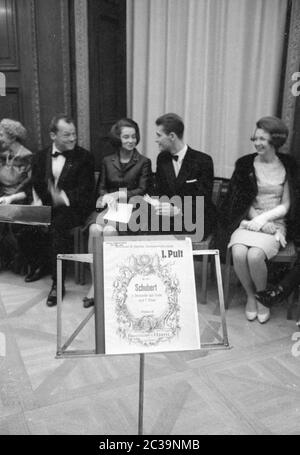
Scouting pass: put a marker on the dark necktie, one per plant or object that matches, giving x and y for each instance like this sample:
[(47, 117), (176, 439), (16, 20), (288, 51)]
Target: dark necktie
[(174, 157), (56, 154)]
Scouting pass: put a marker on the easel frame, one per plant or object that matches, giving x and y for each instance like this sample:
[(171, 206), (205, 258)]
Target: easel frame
[(97, 260)]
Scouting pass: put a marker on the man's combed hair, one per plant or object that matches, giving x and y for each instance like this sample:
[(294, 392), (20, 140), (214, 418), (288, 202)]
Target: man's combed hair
[(171, 123), (53, 128)]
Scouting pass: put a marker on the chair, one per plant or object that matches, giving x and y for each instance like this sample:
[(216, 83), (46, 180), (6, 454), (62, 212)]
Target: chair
[(287, 255), (208, 243), (79, 248), (79, 245)]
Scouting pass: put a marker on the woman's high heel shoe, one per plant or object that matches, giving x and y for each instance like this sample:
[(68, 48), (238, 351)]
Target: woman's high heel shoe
[(251, 315), (263, 317)]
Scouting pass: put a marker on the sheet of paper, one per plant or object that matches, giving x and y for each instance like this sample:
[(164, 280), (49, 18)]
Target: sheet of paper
[(120, 214), (150, 300)]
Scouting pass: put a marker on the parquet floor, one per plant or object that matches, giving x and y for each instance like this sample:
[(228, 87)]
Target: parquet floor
[(253, 388)]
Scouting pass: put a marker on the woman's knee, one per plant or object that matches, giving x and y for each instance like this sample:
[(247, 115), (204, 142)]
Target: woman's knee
[(256, 256), (239, 252), (110, 230), (95, 230)]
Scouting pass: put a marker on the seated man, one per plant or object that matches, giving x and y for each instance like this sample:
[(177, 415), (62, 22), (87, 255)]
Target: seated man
[(282, 290), (63, 177), (182, 171)]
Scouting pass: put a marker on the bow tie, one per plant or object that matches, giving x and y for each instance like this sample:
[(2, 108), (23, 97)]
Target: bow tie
[(56, 154), (174, 157)]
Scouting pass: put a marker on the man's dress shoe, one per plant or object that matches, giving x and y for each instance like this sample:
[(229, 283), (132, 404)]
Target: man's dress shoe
[(35, 275), (52, 296), (88, 301)]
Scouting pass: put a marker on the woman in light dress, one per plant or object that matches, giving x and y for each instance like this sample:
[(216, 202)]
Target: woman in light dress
[(260, 209)]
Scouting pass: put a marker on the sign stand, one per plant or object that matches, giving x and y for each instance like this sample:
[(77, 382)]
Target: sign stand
[(97, 259), (141, 393)]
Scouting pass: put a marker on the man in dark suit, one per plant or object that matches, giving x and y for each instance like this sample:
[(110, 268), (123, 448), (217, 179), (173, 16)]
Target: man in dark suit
[(182, 171), (63, 177)]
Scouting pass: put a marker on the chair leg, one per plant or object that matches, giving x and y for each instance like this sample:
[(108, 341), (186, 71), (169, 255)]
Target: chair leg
[(212, 267), (290, 300), (203, 297), (227, 278), (82, 264), (76, 251), (298, 308), (290, 305)]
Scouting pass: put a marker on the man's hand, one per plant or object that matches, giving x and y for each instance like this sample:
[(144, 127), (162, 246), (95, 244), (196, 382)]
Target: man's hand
[(167, 209), (57, 196)]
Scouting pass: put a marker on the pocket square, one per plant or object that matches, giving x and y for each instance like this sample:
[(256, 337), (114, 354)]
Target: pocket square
[(191, 181)]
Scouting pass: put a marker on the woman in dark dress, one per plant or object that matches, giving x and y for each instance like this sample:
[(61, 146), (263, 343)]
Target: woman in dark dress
[(124, 174)]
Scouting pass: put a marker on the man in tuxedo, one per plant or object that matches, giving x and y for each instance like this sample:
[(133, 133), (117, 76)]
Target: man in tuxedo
[(182, 171), (63, 177)]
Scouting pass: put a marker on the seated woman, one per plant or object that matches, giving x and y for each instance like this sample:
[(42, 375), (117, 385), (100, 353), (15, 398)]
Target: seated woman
[(125, 169), (259, 208), (15, 171)]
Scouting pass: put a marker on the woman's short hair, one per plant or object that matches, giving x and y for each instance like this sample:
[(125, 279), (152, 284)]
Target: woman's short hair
[(171, 123), (116, 129), (276, 128), (13, 129)]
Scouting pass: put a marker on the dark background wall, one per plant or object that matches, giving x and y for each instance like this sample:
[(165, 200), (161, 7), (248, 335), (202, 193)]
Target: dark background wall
[(107, 69), (34, 56), (37, 56)]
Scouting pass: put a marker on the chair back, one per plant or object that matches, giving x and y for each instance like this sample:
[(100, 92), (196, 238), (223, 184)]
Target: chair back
[(217, 190)]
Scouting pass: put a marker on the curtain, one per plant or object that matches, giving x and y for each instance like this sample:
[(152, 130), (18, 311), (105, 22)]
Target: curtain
[(217, 63)]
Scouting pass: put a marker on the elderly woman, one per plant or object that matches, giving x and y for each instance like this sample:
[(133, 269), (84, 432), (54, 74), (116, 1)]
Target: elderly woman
[(125, 169), (15, 173), (259, 209), (15, 163)]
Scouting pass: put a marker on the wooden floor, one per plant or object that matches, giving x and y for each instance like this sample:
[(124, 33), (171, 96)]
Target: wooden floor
[(253, 388)]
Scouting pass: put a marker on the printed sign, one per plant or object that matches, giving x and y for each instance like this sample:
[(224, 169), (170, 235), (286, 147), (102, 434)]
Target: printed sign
[(149, 297)]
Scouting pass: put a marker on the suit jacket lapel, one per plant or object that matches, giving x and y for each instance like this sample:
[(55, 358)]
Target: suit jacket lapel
[(185, 170), (66, 168), (170, 174), (48, 166), (135, 158), (116, 161)]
